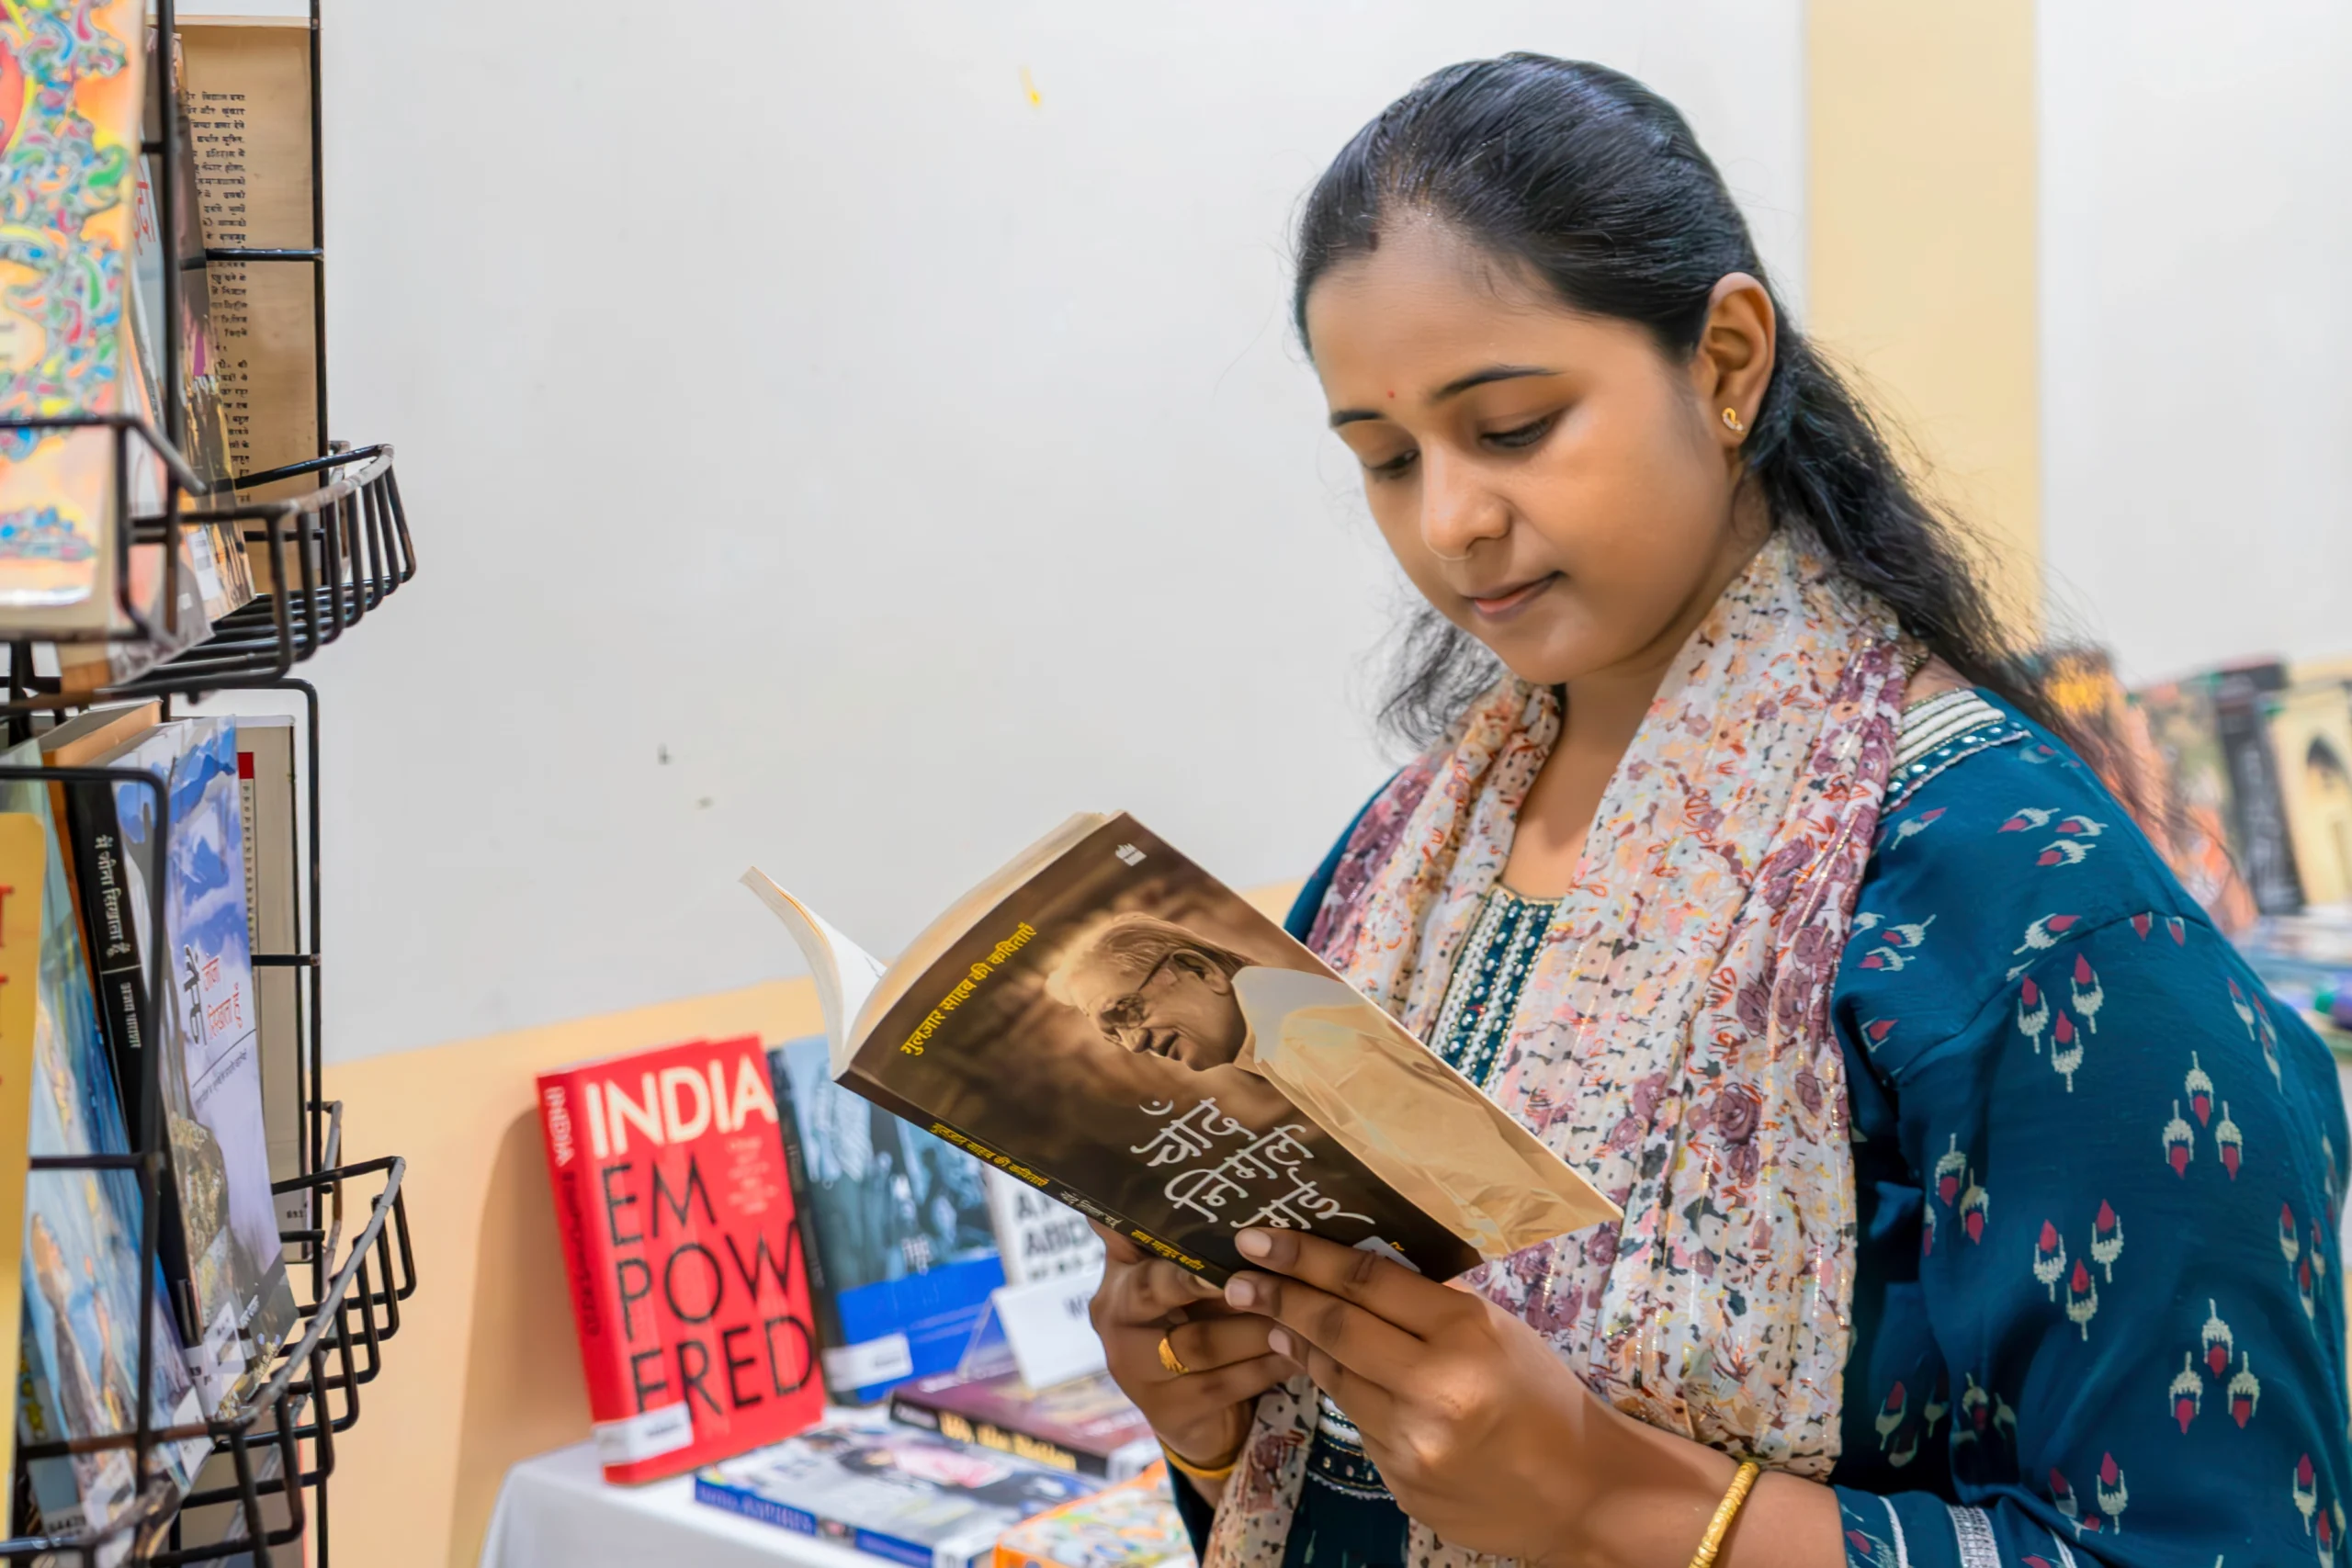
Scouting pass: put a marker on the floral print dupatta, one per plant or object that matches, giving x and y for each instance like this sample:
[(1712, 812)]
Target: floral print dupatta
[(1673, 1041)]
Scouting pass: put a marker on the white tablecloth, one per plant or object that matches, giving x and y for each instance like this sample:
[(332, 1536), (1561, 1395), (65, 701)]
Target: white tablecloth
[(556, 1511)]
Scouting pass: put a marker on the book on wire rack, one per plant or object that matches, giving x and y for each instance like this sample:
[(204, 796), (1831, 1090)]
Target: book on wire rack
[(1107, 1022)]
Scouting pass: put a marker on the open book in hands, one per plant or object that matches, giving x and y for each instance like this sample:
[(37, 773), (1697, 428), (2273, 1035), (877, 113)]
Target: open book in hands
[(1104, 1020)]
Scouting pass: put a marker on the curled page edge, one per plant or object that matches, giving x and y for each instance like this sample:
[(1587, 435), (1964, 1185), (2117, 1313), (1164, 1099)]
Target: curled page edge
[(1367, 1083), (845, 973)]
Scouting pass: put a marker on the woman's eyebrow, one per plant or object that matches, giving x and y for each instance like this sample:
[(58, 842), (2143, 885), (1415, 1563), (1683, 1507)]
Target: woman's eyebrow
[(1452, 388)]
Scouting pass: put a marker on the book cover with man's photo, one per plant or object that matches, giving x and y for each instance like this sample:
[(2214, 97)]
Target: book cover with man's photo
[(1107, 1022), (901, 1259)]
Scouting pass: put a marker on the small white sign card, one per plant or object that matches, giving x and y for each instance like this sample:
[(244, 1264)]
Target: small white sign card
[(1045, 1322)]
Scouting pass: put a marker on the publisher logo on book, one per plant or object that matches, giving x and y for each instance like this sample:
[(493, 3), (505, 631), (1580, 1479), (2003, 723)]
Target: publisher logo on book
[(1128, 856)]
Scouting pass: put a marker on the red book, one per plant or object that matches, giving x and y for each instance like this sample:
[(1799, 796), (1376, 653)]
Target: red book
[(681, 1255)]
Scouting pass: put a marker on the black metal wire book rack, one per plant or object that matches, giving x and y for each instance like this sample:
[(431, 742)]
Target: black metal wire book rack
[(332, 556)]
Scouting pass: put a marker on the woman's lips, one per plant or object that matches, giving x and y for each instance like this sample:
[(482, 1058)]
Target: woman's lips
[(1498, 605)]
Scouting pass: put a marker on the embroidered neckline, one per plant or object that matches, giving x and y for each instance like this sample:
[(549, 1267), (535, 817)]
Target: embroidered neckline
[(1482, 997), (1936, 721), (1910, 772)]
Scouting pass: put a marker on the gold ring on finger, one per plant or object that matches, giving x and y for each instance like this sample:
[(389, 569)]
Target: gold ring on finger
[(1168, 1359)]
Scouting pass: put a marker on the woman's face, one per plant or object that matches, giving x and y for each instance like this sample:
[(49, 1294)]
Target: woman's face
[(1550, 481)]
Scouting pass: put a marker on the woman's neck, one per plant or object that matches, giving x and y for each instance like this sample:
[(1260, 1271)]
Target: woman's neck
[(1601, 713)]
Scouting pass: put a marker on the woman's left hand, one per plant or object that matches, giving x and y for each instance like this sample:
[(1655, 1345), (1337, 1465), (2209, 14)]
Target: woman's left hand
[(1479, 1429)]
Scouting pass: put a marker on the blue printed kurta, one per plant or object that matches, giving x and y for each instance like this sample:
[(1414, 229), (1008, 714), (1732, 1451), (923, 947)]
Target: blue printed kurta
[(2098, 1313), (2098, 1316)]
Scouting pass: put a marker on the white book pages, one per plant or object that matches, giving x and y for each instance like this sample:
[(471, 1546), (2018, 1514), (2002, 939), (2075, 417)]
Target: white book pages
[(845, 973)]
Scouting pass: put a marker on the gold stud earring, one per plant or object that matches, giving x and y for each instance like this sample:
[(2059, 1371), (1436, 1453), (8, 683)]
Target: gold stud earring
[(1732, 422)]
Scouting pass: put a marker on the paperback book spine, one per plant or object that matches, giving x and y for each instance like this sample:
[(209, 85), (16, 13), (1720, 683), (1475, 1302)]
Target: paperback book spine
[(909, 1408), (625, 1435), (751, 1506), (2239, 697), (824, 1308), (24, 851), (118, 965), (117, 960), (875, 1543), (266, 803)]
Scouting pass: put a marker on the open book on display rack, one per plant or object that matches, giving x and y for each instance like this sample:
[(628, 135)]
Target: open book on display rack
[(1110, 1024)]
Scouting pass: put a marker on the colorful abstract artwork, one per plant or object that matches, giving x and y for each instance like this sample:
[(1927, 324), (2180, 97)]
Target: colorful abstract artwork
[(70, 120)]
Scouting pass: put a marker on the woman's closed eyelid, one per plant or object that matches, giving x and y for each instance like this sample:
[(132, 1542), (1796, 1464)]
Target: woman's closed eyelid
[(1525, 434)]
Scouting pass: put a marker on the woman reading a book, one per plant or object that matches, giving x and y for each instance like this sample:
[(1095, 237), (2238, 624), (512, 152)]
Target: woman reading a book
[(1980, 1205)]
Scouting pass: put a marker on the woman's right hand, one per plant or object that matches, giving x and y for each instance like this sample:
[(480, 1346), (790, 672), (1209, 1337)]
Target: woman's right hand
[(1204, 1413)]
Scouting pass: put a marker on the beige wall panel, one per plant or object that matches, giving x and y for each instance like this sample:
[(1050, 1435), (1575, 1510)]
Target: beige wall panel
[(1922, 248)]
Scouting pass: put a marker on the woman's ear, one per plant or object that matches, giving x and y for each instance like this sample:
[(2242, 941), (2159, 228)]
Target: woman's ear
[(1733, 362)]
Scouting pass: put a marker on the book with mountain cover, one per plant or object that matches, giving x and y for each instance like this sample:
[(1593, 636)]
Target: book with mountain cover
[(901, 1259), (1105, 1021), (221, 1233)]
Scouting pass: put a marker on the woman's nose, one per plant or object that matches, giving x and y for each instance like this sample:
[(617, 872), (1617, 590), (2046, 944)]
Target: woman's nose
[(1457, 509)]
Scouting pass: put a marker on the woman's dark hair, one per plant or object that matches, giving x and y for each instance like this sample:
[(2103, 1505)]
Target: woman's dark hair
[(1596, 184)]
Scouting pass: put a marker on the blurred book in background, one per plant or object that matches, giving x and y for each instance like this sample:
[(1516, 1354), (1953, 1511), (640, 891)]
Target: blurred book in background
[(903, 1256), (909, 1496), (1086, 1425), (1133, 1524), (2264, 747)]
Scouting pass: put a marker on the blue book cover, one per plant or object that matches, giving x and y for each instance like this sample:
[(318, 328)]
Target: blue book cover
[(240, 1303), (908, 1496), (79, 1370), (897, 1225)]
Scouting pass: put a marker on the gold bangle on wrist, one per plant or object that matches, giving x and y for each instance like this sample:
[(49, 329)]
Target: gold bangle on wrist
[(1725, 1511), (1207, 1475)]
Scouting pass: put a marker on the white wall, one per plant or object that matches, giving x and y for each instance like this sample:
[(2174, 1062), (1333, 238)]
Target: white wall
[(2196, 325), (779, 390)]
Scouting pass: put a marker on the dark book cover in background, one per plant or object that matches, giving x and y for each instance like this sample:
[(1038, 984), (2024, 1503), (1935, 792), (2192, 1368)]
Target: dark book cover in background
[(902, 1256), (1178, 1155), (116, 959), (2259, 811)]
